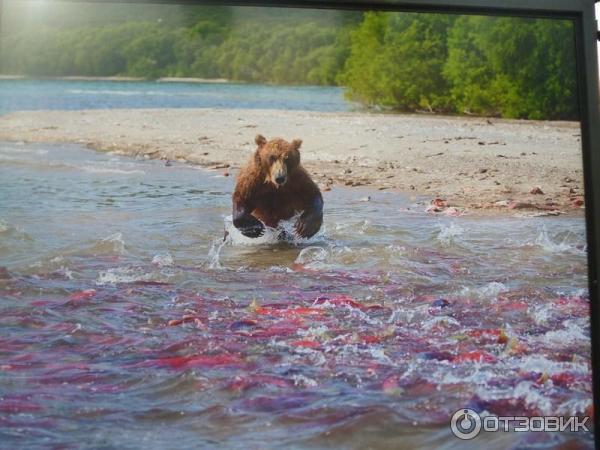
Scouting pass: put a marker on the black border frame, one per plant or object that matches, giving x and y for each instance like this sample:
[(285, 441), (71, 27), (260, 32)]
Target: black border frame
[(582, 14)]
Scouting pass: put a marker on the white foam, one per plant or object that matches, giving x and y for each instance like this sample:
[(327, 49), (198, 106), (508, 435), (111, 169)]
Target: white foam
[(444, 321), (474, 374), (364, 227), (574, 406), (110, 170), (321, 331), (352, 351), (402, 315), (530, 393), (535, 363), (270, 235), (280, 269), (581, 292), (355, 228), (396, 250), (67, 272), (24, 150), (301, 380), (352, 311), (489, 290), (109, 92), (492, 289), (162, 260), (379, 354), (570, 333), (6, 227), (540, 314), (122, 275)]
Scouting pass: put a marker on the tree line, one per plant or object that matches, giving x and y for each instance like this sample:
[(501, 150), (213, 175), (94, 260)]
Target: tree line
[(505, 67)]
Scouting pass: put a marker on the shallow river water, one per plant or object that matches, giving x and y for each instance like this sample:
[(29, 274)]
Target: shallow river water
[(126, 322)]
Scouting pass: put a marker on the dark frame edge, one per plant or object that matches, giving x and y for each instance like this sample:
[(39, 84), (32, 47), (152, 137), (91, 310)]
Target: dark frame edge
[(524, 8), (586, 30)]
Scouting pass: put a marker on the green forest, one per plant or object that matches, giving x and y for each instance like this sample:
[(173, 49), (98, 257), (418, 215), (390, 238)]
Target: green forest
[(502, 67)]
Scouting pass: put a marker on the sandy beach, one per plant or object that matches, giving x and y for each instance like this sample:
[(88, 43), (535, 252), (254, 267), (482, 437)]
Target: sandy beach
[(463, 165)]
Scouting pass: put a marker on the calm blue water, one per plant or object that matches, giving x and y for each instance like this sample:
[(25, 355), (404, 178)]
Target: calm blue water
[(19, 95)]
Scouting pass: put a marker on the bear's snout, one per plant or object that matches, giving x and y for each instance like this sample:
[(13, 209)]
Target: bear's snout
[(279, 173)]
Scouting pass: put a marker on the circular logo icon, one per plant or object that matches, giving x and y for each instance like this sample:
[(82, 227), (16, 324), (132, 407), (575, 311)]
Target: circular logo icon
[(465, 424)]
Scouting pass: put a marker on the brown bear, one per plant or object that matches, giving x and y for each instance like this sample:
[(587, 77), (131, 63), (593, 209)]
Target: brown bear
[(273, 186)]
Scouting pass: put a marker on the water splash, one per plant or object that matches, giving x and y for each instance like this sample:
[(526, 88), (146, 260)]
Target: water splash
[(113, 243), (544, 241), (215, 252), (235, 237), (313, 257), (450, 235)]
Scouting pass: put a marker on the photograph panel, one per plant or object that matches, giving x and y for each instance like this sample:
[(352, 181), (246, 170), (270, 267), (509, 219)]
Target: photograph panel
[(259, 227)]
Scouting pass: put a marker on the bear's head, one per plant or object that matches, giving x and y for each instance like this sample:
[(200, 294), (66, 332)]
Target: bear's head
[(277, 159)]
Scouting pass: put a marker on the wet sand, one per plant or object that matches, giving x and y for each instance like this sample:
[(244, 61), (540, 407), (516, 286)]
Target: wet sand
[(463, 165)]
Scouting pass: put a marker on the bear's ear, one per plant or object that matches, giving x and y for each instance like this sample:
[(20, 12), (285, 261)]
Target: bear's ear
[(260, 140), (257, 157), (296, 143)]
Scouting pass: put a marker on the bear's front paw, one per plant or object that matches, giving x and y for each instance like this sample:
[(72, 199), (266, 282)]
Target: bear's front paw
[(249, 226), (253, 231), (308, 225)]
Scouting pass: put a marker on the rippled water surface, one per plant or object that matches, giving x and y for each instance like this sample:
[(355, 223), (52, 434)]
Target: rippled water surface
[(126, 322)]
